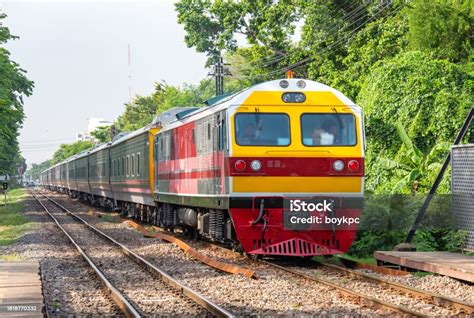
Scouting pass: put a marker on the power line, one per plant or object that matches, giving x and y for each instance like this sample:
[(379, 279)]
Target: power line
[(336, 44), (351, 14)]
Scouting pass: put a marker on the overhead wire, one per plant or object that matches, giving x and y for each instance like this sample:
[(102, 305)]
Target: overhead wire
[(336, 44), (352, 14), (342, 29)]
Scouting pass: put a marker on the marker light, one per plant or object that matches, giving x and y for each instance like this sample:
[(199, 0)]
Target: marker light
[(353, 165), (293, 97), (301, 84), (284, 84), (256, 165), (338, 165), (240, 165)]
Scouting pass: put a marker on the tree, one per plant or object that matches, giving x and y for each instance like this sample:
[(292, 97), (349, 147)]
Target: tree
[(211, 26), (102, 134), (442, 28), (67, 150), (429, 97), (14, 86), (413, 167), (141, 111)]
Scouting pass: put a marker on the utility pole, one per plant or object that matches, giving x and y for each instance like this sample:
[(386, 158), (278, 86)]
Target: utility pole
[(218, 73)]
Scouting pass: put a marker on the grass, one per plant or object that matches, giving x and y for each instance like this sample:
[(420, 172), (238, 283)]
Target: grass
[(336, 259), (108, 218), (422, 274), (12, 223), (10, 257), (365, 260)]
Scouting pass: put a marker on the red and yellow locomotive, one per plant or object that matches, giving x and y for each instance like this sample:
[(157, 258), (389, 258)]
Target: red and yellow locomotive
[(231, 170)]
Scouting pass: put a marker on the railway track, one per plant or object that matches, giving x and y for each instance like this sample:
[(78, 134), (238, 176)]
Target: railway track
[(334, 275), (426, 296), (138, 287)]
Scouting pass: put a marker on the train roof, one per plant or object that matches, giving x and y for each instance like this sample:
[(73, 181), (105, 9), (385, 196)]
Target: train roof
[(239, 98), (98, 148)]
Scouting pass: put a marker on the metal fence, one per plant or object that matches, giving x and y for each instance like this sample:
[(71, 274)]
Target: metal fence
[(462, 187)]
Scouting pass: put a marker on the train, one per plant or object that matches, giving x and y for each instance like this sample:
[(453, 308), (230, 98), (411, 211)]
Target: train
[(266, 170)]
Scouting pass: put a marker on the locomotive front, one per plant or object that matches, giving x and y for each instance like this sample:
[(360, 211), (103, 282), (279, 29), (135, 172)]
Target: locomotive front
[(296, 168)]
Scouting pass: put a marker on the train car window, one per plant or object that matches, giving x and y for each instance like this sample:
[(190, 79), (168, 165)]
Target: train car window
[(127, 166), (328, 129), (172, 145), (123, 166), (132, 172), (262, 129), (138, 164)]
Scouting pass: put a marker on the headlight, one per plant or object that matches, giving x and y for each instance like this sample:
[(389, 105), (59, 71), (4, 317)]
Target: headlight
[(256, 165), (338, 165), (293, 98)]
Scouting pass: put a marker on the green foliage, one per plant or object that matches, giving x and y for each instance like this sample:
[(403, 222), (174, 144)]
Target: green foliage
[(67, 150), (102, 134), (440, 240), (379, 40), (369, 241), (143, 108), (12, 223), (13, 87), (429, 97), (442, 28), (211, 26), (433, 240), (412, 165)]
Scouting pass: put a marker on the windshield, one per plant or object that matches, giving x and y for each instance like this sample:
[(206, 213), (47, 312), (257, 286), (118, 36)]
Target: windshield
[(328, 129), (262, 129)]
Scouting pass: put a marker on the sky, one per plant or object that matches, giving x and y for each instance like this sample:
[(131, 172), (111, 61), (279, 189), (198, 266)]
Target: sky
[(76, 52)]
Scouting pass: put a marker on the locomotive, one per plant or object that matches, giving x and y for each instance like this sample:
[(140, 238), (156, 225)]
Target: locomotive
[(233, 171)]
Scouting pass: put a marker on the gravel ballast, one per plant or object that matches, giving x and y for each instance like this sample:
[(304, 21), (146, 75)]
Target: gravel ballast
[(147, 292), (69, 285)]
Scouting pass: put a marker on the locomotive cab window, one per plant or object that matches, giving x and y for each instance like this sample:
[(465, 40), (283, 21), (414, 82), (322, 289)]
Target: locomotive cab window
[(262, 129), (328, 129)]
